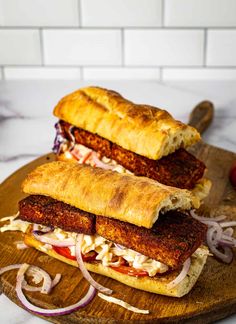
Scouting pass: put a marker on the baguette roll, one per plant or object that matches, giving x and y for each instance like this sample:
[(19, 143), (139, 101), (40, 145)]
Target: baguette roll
[(143, 129), (136, 200)]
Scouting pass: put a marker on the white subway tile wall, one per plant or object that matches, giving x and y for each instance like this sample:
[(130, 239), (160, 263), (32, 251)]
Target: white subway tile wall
[(121, 13), (82, 47), (19, 47), (163, 47), (221, 45), (118, 39), (39, 13), (200, 13)]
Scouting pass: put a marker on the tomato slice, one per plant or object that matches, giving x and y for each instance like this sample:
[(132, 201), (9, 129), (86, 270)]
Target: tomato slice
[(65, 251), (130, 271)]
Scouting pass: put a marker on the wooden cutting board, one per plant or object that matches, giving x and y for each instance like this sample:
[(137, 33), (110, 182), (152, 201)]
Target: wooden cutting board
[(212, 298)]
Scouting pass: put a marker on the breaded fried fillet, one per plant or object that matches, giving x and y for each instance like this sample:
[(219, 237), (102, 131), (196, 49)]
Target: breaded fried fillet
[(173, 238), (50, 212), (179, 169)]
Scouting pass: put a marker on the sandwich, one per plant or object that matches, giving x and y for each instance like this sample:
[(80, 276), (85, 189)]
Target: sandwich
[(132, 229), (100, 128)]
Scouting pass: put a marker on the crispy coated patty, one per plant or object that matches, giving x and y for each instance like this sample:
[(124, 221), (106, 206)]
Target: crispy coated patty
[(50, 212), (172, 239), (179, 169)]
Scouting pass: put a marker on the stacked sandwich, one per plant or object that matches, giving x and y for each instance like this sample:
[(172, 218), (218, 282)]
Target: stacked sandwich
[(132, 229), (101, 128), (132, 225)]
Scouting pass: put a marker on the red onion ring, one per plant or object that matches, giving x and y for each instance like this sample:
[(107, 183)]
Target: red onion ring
[(10, 267), (216, 237), (79, 240), (225, 257), (201, 218), (46, 229), (181, 276), (228, 224), (119, 246), (28, 287), (47, 281), (50, 312), (44, 239)]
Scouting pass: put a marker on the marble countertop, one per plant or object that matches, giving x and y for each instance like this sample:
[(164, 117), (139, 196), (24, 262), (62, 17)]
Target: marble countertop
[(26, 127)]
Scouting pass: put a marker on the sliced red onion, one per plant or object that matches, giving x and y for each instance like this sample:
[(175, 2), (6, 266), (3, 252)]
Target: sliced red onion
[(44, 230), (119, 246), (181, 276), (216, 237), (44, 239), (50, 312), (228, 231), (225, 243), (56, 280), (201, 218), (101, 164), (123, 304), (10, 267), (229, 239), (28, 287), (21, 246), (225, 257), (47, 281), (228, 224), (79, 240)]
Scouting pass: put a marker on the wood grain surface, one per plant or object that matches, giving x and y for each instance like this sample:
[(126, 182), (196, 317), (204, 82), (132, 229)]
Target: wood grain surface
[(213, 297)]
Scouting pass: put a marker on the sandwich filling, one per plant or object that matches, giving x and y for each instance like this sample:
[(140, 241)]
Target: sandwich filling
[(94, 249), (168, 244), (179, 169)]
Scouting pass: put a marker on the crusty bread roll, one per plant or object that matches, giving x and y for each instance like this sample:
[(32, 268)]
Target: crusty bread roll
[(157, 285), (201, 189), (136, 200), (143, 129)]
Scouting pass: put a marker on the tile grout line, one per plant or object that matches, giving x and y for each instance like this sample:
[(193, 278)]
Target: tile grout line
[(41, 46), (163, 13), (196, 67), (79, 13), (205, 47), (116, 27), (122, 47)]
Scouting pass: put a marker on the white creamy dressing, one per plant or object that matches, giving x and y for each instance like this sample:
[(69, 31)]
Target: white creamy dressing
[(106, 250), (14, 225), (86, 155)]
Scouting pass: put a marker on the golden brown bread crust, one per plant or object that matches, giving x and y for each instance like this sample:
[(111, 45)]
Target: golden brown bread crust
[(132, 199), (157, 284), (179, 169), (143, 129)]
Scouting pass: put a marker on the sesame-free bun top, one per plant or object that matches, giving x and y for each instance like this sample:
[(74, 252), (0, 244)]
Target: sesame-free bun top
[(143, 129), (136, 200)]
